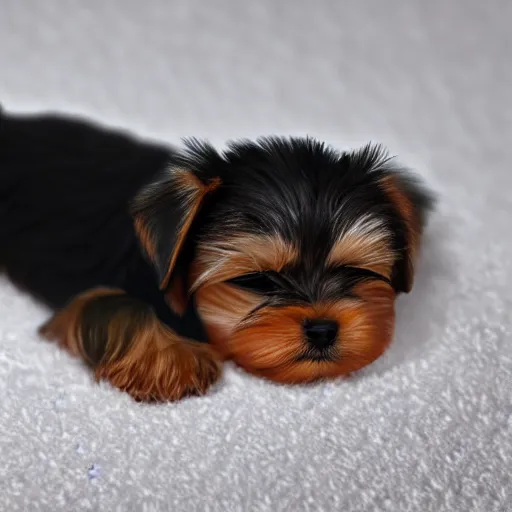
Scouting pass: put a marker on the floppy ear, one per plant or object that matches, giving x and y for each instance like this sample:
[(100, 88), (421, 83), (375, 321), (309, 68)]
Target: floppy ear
[(413, 203), (163, 215)]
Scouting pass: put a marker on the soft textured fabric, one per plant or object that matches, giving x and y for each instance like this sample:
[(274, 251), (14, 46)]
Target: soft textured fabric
[(426, 428)]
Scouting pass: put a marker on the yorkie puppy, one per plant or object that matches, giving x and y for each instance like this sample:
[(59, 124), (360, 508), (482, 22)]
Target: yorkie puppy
[(284, 254)]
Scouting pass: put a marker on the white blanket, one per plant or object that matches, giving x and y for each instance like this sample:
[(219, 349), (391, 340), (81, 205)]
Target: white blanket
[(426, 428)]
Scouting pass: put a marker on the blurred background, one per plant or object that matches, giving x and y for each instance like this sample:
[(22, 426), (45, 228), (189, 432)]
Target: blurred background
[(428, 426)]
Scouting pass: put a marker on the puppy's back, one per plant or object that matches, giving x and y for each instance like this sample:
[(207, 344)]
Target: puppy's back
[(65, 188)]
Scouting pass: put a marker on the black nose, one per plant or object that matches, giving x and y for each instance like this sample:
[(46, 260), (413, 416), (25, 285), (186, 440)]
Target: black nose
[(321, 333)]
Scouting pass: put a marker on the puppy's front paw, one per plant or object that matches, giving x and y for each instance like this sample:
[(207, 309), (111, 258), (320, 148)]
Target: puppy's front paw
[(164, 374), (122, 340)]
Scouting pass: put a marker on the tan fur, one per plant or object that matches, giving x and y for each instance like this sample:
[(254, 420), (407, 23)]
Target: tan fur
[(158, 365), (366, 245), (177, 295), (162, 366), (243, 253), (406, 209), (272, 341), (222, 307)]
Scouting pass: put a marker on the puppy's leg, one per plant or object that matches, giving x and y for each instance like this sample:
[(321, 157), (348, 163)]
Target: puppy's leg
[(123, 341)]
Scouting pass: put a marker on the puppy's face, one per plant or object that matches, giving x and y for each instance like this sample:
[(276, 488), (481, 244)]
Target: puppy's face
[(295, 253)]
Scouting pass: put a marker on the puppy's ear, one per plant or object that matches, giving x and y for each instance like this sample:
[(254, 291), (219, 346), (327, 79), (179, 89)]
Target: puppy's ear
[(163, 215), (412, 202)]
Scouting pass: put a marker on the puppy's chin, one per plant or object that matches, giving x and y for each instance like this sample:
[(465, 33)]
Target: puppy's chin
[(271, 342)]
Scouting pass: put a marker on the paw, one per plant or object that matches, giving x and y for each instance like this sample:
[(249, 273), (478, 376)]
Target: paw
[(167, 374), (128, 346)]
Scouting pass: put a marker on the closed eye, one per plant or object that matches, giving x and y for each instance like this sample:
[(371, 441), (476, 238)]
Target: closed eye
[(358, 272), (264, 283)]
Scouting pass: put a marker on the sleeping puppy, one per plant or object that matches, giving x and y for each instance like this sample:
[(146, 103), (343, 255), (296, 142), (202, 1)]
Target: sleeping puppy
[(284, 254)]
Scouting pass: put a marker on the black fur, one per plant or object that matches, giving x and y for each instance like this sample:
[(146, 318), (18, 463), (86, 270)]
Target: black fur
[(66, 187)]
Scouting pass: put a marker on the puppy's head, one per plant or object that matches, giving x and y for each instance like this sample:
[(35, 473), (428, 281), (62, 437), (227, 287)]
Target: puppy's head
[(294, 253)]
